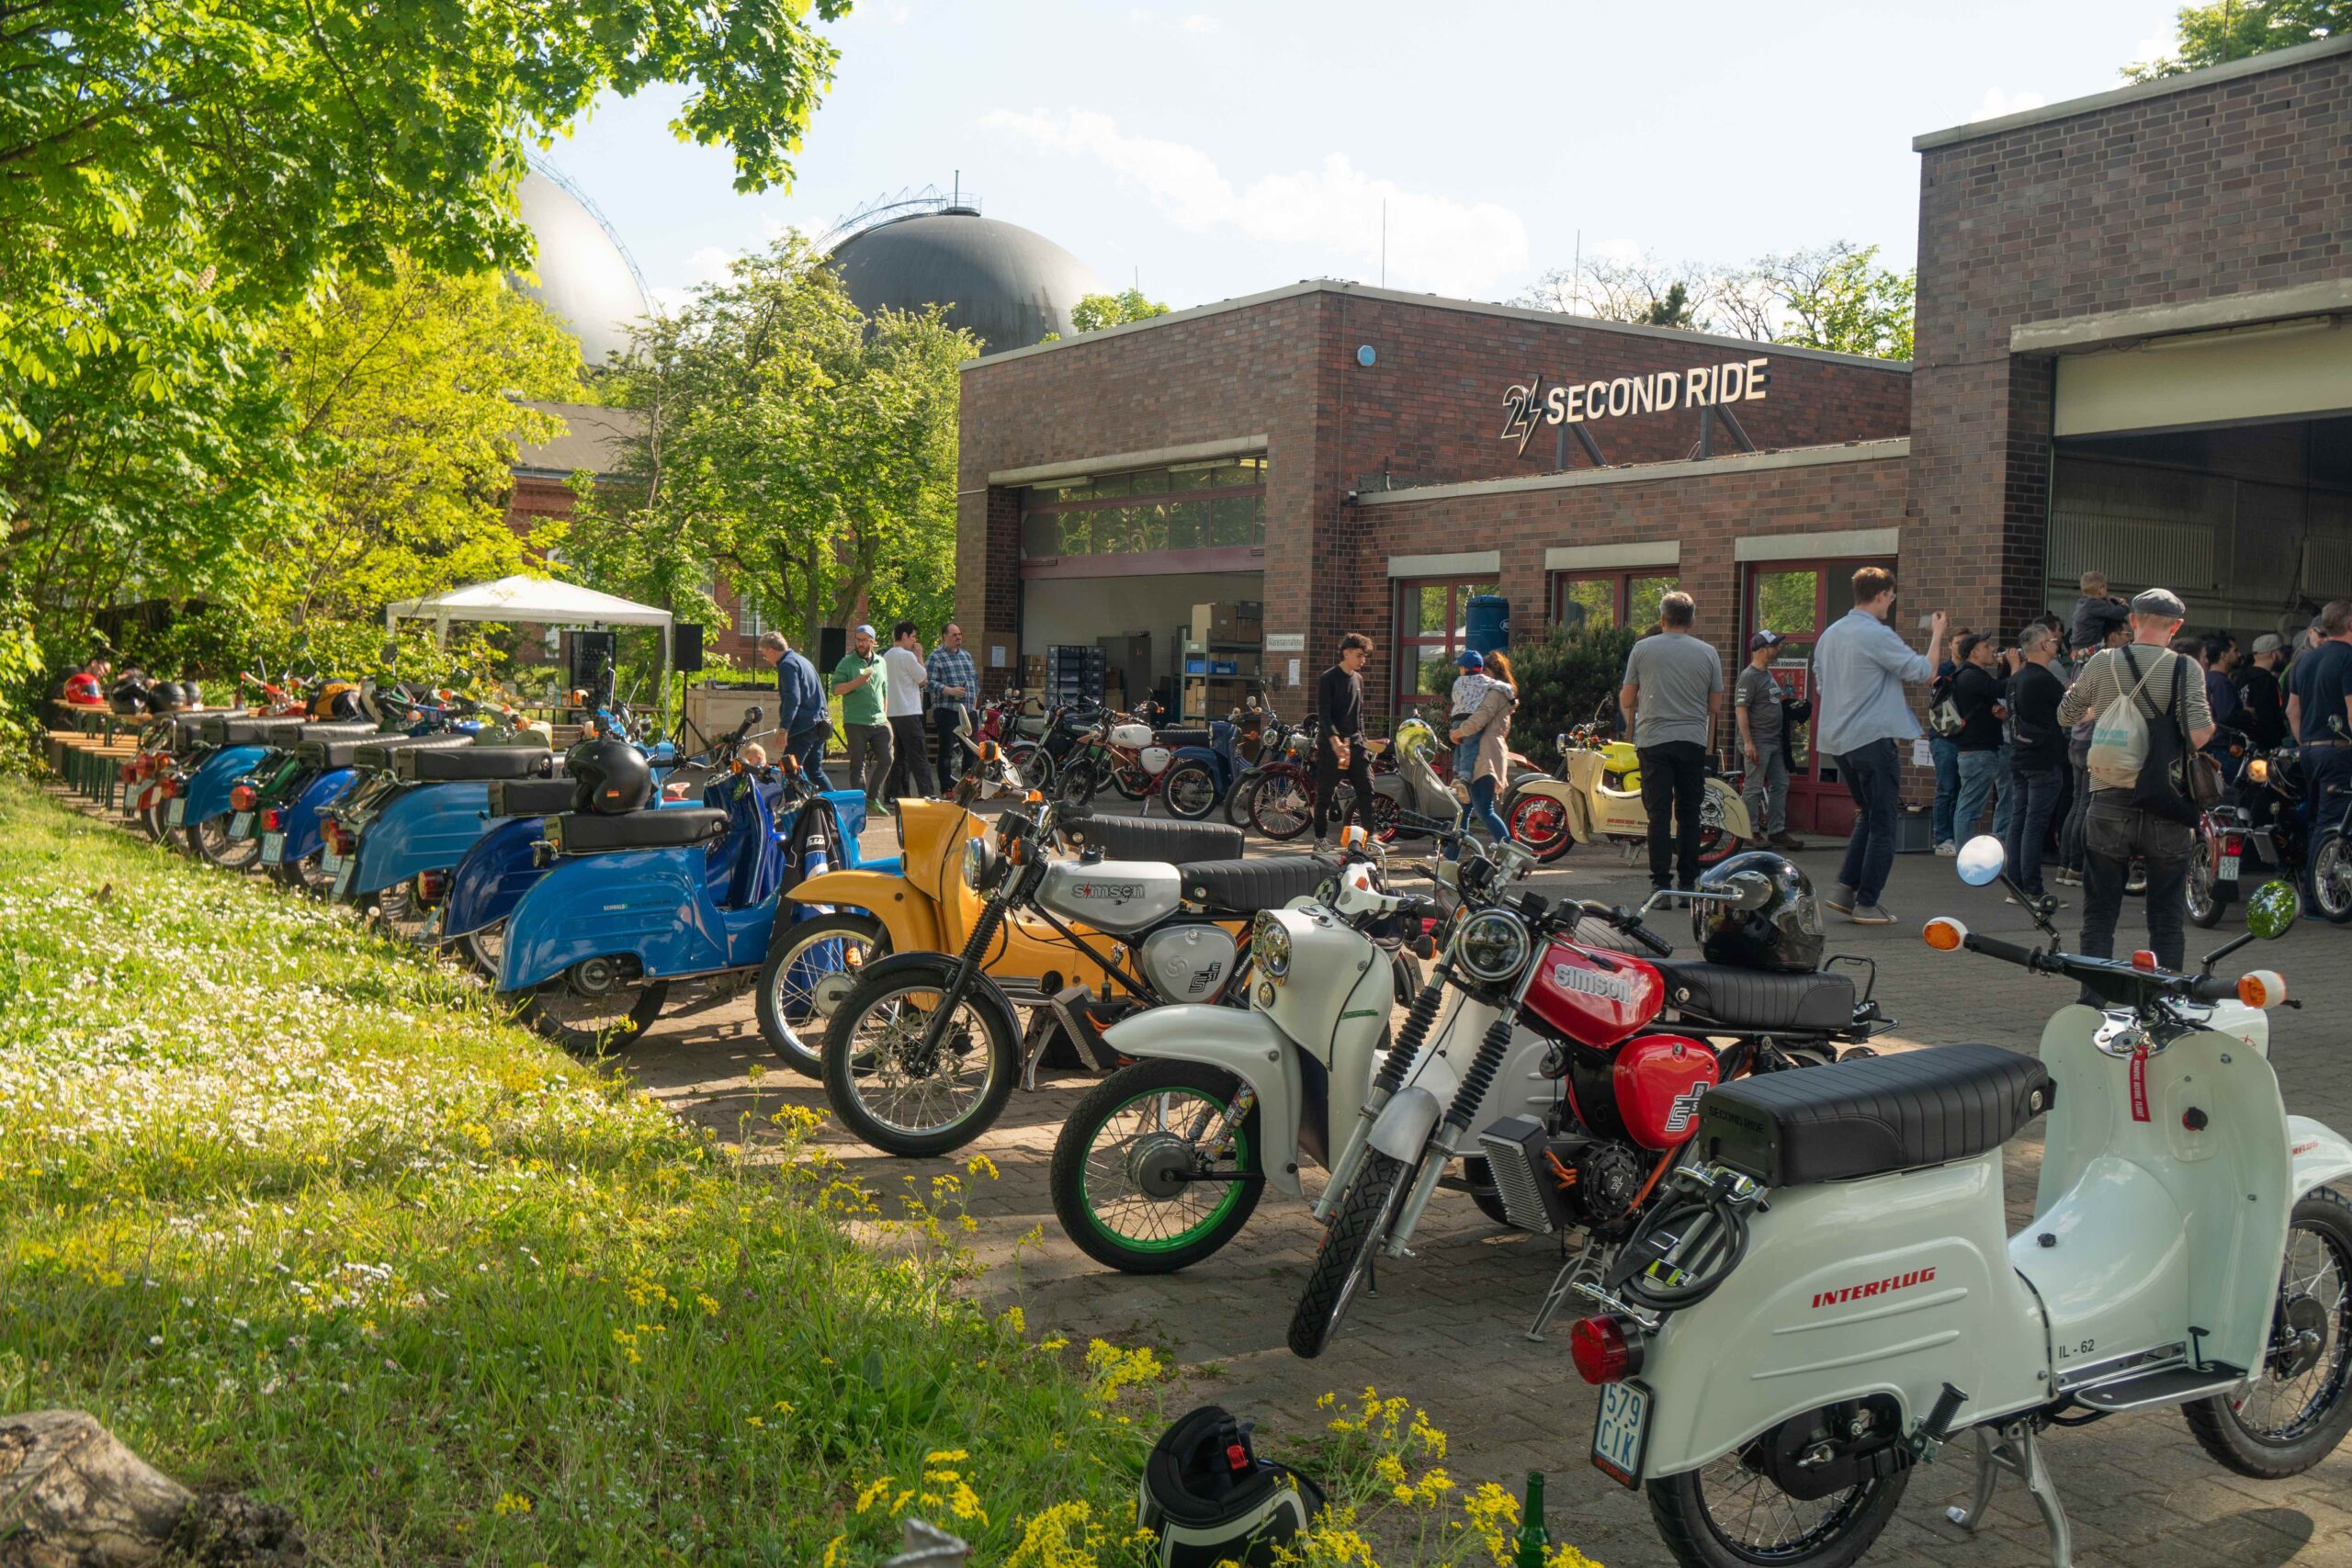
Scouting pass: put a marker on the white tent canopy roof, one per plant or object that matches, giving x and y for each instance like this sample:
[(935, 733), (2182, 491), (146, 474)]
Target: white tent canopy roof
[(537, 599)]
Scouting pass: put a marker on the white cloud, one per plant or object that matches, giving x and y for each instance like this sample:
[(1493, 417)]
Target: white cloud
[(1999, 101), (1189, 22), (1433, 241), (2157, 45)]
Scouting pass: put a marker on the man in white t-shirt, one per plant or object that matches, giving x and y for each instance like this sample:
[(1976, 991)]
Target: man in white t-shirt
[(902, 664)]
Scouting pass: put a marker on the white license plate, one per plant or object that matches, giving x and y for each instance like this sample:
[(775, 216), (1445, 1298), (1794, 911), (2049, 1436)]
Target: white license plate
[(1621, 1432), (329, 862), (2228, 870), (273, 848), (178, 813), (343, 878), (241, 824)]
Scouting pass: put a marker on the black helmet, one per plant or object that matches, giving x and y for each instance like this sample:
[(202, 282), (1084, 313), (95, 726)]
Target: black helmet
[(164, 697), (130, 694), (191, 695), (608, 777), (1210, 1500), (1775, 925)]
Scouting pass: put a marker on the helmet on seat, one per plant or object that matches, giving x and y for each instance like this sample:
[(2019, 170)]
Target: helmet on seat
[(1774, 925), (608, 777), (1210, 1500)]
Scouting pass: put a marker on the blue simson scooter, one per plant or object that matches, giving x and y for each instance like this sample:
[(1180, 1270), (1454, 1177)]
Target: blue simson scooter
[(414, 820), (201, 808)]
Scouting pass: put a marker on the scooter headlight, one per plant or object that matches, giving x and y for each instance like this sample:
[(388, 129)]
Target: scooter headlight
[(977, 859), (1269, 949), (1493, 946)]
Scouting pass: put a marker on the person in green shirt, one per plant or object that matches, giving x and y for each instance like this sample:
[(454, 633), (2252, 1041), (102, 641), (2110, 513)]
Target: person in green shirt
[(858, 681)]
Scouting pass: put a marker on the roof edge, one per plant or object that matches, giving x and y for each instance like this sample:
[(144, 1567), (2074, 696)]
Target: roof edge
[(2133, 91), (1883, 448)]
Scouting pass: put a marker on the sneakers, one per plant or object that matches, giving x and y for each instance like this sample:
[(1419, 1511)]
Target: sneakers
[(2048, 904), (1948, 848), (1787, 842), (1840, 899), (1871, 915), (2065, 878)]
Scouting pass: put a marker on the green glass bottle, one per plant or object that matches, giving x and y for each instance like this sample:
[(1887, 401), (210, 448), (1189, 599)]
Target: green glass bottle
[(1528, 1549)]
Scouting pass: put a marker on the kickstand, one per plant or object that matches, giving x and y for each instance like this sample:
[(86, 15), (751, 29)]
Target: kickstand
[(1580, 1266), (2017, 1450)]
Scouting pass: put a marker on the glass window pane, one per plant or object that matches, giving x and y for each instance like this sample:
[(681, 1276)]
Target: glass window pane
[(1785, 599), (1432, 672), (1230, 519), (1425, 610), (1147, 526), (1589, 602), (1041, 534), (1642, 595), (1111, 484), (1188, 525)]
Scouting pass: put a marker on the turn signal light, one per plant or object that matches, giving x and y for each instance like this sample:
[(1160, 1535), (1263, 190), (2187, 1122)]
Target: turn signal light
[(171, 789), (272, 820), (432, 886), (1034, 797), (2262, 988), (2144, 958), (989, 751), (1945, 934), (1602, 1350), (2259, 769)]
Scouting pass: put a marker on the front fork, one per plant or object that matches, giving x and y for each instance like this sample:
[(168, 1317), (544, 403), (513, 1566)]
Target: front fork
[(1392, 1075), (968, 966), (1445, 1143)]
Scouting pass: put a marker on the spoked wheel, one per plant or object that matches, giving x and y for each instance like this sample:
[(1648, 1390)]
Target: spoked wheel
[(1129, 1167), (1732, 1512), (484, 949), (1386, 818), (1190, 789), (2331, 877), (1032, 766), (214, 847), (2201, 893), (1344, 1259), (897, 1094), (595, 1004), (1131, 779), (805, 979), (1282, 805), (1539, 824), (1238, 799), (1076, 783), (304, 876), (402, 914), (2294, 1411)]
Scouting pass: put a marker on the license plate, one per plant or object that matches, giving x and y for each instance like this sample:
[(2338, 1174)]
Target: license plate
[(2228, 870), (241, 824), (273, 848), (178, 813), (329, 862), (343, 878), (1621, 1432)]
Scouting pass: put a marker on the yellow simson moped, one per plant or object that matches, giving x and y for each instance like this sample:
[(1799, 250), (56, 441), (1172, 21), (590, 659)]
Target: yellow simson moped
[(1595, 794)]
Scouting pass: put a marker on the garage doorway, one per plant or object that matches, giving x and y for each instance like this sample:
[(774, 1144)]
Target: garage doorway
[(1800, 599)]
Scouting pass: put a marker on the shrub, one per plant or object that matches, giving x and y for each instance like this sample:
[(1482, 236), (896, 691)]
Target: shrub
[(1562, 681)]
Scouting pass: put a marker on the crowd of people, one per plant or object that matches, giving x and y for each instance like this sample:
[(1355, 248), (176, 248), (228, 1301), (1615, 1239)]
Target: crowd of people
[(902, 710)]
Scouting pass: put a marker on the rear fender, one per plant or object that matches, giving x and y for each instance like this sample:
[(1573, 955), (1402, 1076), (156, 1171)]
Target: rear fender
[(1246, 1044), (911, 918), (490, 880), (426, 828), (650, 904), (2321, 1155), (207, 787)]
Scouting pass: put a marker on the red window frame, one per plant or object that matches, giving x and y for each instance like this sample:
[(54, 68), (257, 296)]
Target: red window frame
[(1404, 685), (1621, 580)]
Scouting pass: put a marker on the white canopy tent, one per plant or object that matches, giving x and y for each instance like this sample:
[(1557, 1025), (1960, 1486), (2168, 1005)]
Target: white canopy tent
[(538, 600)]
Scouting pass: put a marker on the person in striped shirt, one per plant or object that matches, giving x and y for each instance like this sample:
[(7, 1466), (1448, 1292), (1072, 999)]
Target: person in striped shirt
[(954, 687)]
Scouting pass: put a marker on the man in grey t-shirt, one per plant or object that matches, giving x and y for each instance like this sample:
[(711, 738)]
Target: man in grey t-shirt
[(1672, 697)]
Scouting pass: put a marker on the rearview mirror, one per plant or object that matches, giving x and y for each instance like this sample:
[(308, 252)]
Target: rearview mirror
[(1981, 861), (2273, 909)]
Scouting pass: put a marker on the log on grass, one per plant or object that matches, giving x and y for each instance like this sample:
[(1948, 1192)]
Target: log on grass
[(72, 1495)]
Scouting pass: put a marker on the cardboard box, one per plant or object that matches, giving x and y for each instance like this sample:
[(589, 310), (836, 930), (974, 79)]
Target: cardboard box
[(1241, 621)]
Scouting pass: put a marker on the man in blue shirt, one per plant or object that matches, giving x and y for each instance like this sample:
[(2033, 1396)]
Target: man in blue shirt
[(954, 687), (1860, 714), (801, 716), (2319, 707)]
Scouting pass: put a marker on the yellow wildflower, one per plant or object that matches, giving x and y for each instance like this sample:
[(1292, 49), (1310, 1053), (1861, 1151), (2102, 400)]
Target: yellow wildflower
[(508, 1503)]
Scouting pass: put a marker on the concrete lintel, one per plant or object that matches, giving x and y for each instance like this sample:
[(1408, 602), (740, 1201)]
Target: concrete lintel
[(2330, 296), (1652, 473), (1122, 462), (1600, 557), (1459, 563), (2252, 66), (1812, 547)]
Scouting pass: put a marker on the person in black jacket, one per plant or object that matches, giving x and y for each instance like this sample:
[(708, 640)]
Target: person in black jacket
[(2037, 753), (2262, 703), (1339, 743), (1979, 691)]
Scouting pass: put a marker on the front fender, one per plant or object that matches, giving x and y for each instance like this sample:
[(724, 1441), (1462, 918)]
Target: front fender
[(2320, 1153), (1246, 1044), (1402, 1129), (490, 880), (651, 903), (428, 827), (1734, 810), (985, 992), (908, 914), (207, 787)]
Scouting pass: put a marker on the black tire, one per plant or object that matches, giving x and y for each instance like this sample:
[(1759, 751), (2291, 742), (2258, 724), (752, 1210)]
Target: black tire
[(1384, 818), (1130, 1229), (2205, 902), (1128, 778), (1238, 799), (1282, 805), (1850, 1525), (1032, 764), (210, 839), (304, 876), (2331, 877), (1076, 782), (1539, 823), (854, 1056), (1189, 788), (399, 914), (2314, 1298), (1345, 1257), (1482, 1191), (483, 949), (791, 1020), (592, 1006)]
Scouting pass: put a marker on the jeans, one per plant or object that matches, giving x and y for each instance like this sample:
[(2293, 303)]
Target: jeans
[(869, 758), (945, 724), (2035, 786), (1482, 805), (1328, 773), (1674, 783), (2070, 838), (808, 746), (1978, 773), (2114, 832), (1947, 752), (910, 759), (1767, 794), (1874, 778), (2326, 769), (2004, 800)]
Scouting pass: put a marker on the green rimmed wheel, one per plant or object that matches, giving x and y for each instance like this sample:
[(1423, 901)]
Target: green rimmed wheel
[(1151, 1172)]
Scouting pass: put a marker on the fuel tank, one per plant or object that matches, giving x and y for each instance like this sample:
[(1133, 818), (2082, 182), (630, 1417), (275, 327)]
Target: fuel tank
[(1594, 999)]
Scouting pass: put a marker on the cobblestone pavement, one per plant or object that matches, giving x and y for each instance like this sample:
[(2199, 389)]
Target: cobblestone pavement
[(1448, 1327)]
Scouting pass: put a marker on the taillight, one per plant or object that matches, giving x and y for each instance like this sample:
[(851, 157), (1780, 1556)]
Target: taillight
[(244, 797), (1603, 1351), (171, 790), (272, 820), (2233, 845), (431, 886)]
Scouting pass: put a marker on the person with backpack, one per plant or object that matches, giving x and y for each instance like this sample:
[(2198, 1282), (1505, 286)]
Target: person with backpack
[(2148, 712)]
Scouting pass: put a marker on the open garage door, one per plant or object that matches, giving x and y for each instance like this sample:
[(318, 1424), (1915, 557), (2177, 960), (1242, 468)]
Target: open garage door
[(2276, 371)]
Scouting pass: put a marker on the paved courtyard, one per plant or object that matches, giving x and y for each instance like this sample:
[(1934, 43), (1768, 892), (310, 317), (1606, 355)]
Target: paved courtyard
[(1447, 1328)]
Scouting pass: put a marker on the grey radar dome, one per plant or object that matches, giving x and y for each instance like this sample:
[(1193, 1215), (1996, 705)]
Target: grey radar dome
[(586, 280), (1006, 285)]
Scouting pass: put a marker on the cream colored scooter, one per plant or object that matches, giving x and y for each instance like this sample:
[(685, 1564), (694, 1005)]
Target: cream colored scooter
[(1597, 796), (2183, 1252)]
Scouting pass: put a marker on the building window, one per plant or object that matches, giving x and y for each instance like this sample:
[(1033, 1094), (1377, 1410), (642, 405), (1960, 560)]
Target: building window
[(1609, 598), (749, 621), (1433, 617), (1189, 506)]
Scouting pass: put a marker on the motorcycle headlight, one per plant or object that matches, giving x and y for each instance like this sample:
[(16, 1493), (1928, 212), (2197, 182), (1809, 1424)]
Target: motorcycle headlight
[(1493, 946), (1271, 950), (976, 858)]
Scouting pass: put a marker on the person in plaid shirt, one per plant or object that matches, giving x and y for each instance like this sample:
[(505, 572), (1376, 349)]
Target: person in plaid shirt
[(954, 687)]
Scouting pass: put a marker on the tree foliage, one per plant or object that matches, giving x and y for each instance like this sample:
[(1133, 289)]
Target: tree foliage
[(1095, 311), (1835, 297), (804, 451), (1563, 680), (2232, 29)]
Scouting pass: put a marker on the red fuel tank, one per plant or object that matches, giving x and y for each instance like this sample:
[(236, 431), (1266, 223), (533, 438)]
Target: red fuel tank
[(1592, 999), (1659, 1080)]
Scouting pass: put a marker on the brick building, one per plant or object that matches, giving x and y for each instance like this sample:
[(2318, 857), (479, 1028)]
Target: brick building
[(2131, 354)]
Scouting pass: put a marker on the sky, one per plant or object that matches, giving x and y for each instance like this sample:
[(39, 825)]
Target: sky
[(1206, 150)]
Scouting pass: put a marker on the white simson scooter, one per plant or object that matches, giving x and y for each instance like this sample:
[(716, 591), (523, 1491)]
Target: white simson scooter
[(1879, 1308)]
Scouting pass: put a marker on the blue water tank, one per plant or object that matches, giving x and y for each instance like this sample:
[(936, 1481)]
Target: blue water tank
[(1486, 626)]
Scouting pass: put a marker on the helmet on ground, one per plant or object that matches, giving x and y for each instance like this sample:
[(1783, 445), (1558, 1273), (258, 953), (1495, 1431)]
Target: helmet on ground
[(1774, 925), (1416, 739), (608, 777), (1210, 1500)]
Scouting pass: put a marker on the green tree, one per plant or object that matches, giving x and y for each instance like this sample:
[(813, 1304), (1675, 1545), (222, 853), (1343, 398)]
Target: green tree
[(1839, 297), (2232, 29), (1095, 311), (1673, 308)]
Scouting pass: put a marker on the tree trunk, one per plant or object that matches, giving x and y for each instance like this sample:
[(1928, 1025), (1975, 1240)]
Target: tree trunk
[(72, 1496)]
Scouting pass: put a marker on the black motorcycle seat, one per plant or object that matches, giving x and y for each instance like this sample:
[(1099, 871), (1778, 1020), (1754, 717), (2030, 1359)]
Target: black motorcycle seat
[(1172, 738), (238, 731), (1731, 997), (1135, 838), (473, 762), (338, 746), (1246, 886), (1873, 1114), (672, 827), (380, 753), (530, 797)]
